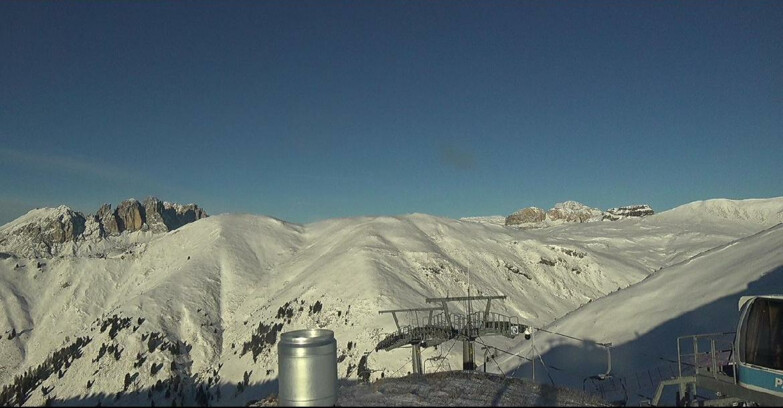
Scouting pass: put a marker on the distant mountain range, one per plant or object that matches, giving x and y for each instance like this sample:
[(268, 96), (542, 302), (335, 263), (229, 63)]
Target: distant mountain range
[(45, 232), (170, 305)]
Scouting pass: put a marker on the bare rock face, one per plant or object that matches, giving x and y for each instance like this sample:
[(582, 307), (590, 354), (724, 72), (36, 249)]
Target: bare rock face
[(108, 220), (189, 213), (157, 218), (526, 215), (614, 214), (572, 211), (129, 215), (163, 216), (46, 232), (153, 215), (67, 226)]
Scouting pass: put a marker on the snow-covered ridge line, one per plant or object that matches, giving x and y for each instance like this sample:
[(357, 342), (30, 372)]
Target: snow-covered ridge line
[(202, 306), (763, 211)]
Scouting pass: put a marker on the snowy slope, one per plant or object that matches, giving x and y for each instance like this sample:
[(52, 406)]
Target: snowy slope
[(203, 304), (698, 295), (487, 219), (760, 211)]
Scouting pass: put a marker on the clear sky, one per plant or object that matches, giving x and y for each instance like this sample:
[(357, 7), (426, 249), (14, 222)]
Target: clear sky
[(311, 110)]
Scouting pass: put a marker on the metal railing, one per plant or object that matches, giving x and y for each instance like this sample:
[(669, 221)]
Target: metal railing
[(444, 327), (470, 325), (705, 354)]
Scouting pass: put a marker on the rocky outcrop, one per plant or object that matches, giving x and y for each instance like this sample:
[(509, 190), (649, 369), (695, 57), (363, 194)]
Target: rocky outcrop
[(93, 229), (569, 211), (526, 215), (67, 226), (165, 216), (572, 211), (45, 232), (107, 221), (153, 215), (189, 213), (129, 215), (614, 214), (41, 232), (154, 211)]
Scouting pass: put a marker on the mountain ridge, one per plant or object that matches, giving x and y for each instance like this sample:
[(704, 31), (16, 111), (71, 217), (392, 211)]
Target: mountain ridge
[(46, 232), (215, 294)]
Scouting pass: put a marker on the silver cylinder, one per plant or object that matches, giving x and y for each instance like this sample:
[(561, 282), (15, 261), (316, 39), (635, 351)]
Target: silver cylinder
[(307, 368)]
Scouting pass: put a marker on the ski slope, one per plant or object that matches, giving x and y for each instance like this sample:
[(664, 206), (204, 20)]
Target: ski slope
[(696, 295)]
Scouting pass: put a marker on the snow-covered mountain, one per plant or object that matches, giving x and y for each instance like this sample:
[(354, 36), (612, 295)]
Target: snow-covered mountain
[(194, 313), (696, 295), (48, 232)]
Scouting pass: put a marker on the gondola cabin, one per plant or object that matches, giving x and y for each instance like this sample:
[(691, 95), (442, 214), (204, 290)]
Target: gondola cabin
[(747, 370), (759, 344)]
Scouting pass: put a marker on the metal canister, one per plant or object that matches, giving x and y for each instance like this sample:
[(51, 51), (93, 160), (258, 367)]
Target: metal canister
[(307, 368)]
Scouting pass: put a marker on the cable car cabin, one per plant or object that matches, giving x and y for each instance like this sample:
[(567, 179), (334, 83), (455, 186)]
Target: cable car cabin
[(751, 373), (759, 344)]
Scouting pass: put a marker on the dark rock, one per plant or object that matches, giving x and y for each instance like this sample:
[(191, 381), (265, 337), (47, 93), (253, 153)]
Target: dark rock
[(164, 216), (155, 212), (614, 214), (183, 214)]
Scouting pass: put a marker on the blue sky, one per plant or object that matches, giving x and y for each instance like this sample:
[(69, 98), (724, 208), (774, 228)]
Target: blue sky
[(313, 110)]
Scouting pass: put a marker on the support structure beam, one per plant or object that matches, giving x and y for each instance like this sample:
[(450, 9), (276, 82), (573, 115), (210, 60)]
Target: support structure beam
[(447, 314), (415, 309), (463, 298), (468, 362), (416, 358)]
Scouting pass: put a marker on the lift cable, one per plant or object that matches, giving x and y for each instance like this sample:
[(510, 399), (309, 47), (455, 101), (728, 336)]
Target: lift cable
[(401, 367), (486, 347), (447, 356), (572, 337)]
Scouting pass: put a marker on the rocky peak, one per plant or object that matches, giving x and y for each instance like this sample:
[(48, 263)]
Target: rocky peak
[(572, 211), (155, 213), (44, 232), (526, 215), (165, 216), (41, 231), (129, 215)]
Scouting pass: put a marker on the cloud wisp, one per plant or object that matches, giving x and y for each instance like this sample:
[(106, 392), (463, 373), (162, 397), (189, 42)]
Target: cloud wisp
[(68, 164), (457, 158), (101, 173)]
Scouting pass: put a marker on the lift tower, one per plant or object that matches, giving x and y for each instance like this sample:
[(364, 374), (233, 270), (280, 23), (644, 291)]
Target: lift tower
[(445, 325), (474, 324)]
